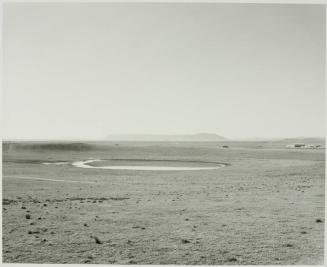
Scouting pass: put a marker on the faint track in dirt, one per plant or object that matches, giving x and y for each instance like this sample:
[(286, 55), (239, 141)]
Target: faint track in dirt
[(51, 180)]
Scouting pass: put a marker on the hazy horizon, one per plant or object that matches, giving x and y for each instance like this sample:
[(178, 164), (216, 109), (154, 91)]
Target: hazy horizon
[(105, 138), (77, 71)]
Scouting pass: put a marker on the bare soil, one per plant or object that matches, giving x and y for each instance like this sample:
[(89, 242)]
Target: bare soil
[(266, 207)]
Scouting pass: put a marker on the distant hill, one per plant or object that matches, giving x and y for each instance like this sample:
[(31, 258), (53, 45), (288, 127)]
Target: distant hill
[(165, 137)]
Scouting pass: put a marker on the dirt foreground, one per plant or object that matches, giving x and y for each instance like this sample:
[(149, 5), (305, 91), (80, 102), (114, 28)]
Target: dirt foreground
[(267, 207)]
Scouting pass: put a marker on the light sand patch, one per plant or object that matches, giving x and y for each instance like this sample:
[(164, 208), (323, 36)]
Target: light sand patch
[(56, 163), (85, 164)]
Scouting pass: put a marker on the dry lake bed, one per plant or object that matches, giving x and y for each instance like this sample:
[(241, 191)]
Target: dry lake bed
[(162, 203)]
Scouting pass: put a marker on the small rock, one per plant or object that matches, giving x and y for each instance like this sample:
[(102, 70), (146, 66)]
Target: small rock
[(232, 259), (33, 232), (28, 216), (44, 205), (97, 240), (85, 224), (319, 220), (303, 232), (23, 208), (185, 241)]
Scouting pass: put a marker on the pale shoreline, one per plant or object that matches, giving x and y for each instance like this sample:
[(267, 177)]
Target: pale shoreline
[(85, 164)]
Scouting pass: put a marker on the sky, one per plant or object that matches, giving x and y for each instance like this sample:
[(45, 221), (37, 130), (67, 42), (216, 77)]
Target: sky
[(87, 70)]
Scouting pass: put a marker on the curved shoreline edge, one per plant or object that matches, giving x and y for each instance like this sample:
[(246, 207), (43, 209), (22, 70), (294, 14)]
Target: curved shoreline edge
[(85, 164)]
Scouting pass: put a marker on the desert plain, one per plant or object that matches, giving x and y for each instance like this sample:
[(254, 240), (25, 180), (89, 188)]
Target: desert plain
[(264, 206)]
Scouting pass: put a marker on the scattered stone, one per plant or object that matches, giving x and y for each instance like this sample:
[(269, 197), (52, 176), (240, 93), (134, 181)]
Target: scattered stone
[(39, 218), (187, 219), (6, 201), (132, 262), (288, 245), (303, 232), (319, 220), (119, 198), (97, 240), (23, 208), (224, 225), (44, 205), (85, 224), (32, 223), (30, 232), (232, 259), (28, 216), (185, 241)]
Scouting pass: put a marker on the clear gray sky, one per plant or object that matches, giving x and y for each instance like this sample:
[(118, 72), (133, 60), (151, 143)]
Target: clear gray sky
[(82, 70)]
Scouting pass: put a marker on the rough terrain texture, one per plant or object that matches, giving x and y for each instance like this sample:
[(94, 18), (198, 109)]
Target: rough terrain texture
[(267, 207)]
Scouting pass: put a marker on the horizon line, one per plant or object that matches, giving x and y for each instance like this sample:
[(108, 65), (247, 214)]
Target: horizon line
[(108, 140)]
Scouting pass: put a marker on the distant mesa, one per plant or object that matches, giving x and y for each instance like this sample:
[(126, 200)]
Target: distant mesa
[(165, 137)]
